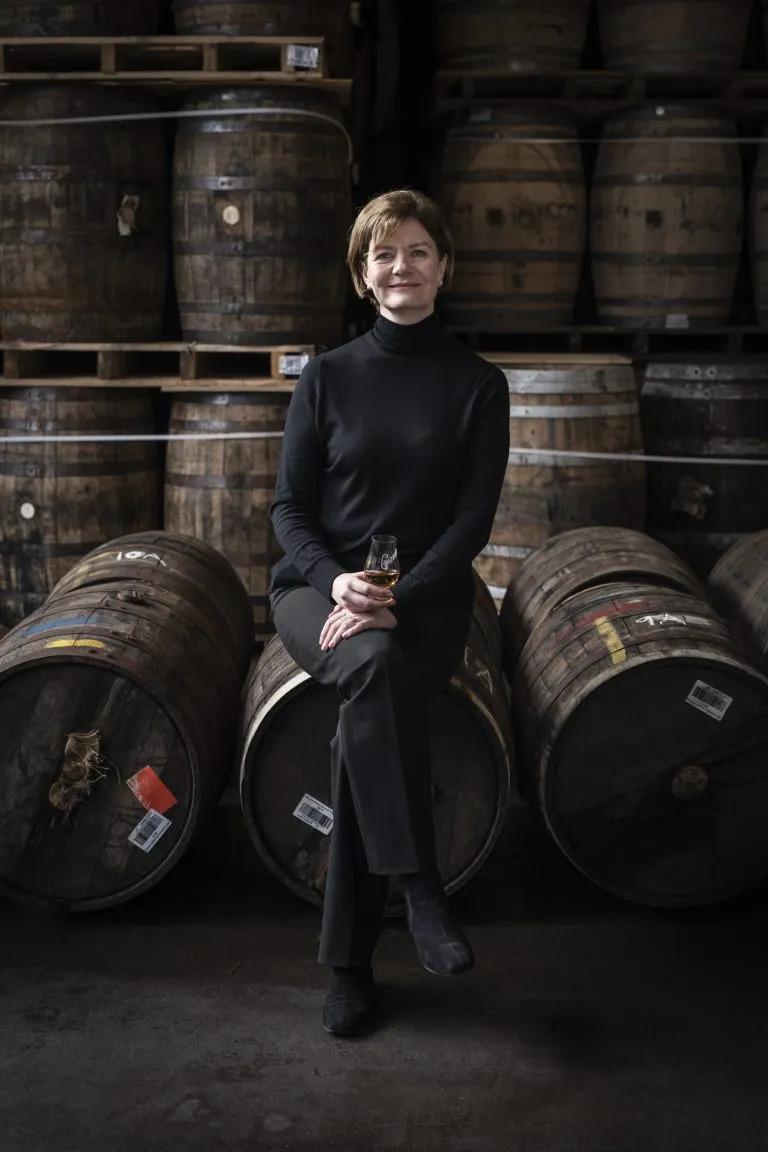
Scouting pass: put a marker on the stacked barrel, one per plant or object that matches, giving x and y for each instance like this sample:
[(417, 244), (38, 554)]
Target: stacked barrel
[(118, 706), (642, 720), (285, 782), (98, 215), (642, 233)]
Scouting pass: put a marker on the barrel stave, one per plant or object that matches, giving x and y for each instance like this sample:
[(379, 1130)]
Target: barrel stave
[(252, 266), (517, 213), (470, 750), (644, 725), (220, 490), (83, 247), (666, 218)]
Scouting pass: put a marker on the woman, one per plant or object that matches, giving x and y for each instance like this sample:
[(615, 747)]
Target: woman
[(405, 432)]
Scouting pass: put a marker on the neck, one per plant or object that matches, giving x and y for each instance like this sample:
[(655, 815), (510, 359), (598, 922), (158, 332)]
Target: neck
[(407, 315), (414, 337)]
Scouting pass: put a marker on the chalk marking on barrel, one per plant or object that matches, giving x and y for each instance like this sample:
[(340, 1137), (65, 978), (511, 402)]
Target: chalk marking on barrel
[(73, 642), (611, 639)]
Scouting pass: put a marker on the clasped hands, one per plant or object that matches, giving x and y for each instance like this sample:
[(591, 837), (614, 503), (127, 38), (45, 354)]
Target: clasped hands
[(359, 605)]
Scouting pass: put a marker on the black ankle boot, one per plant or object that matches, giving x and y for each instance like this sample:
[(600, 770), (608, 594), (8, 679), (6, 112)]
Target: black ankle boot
[(440, 943), (349, 1001)]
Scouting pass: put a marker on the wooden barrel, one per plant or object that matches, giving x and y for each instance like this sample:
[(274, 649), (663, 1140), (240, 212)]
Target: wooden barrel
[(189, 568), (666, 219), (118, 707), (566, 403), (328, 18), (739, 587), (220, 490), (674, 35), (714, 408), (584, 558), (289, 721), (646, 735), (79, 17), (758, 231), (517, 212), (253, 265), (83, 246), (523, 37), (60, 500)]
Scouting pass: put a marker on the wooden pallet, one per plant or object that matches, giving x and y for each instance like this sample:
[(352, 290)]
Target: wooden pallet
[(591, 94), (732, 340), (168, 60), (168, 365)]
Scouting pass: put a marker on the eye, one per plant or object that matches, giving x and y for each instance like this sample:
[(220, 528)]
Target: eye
[(420, 252), (382, 257)]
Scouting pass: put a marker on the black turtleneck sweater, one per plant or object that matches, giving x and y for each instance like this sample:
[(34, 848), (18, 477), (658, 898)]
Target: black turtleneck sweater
[(403, 431)]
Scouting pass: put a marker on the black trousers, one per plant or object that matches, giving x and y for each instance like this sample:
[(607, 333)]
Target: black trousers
[(380, 762)]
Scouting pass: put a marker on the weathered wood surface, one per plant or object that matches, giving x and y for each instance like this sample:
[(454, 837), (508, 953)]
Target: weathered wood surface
[(666, 218), (517, 212), (60, 500), (289, 721), (190, 568), (527, 36), (137, 655), (674, 35), (646, 743), (83, 248), (78, 17), (706, 408), (220, 490), (584, 558), (327, 18), (252, 264), (581, 403), (739, 586)]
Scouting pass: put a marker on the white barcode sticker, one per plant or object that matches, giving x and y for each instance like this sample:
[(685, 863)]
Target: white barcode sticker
[(676, 320), (708, 699), (303, 55), (292, 364), (314, 813), (149, 830)]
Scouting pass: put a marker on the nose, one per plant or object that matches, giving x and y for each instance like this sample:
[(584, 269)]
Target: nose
[(401, 263)]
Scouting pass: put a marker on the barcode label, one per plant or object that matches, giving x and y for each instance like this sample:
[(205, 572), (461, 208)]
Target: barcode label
[(149, 830), (314, 813), (303, 55), (292, 364), (708, 699), (676, 320)]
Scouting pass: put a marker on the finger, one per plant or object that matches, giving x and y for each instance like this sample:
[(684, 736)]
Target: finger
[(333, 628), (370, 591), (339, 626)]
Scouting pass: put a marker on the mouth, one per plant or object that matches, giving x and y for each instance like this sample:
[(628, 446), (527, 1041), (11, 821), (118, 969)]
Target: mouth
[(403, 286)]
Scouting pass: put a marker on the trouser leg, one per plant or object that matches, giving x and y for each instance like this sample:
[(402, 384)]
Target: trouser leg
[(381, 788), (354, 896)]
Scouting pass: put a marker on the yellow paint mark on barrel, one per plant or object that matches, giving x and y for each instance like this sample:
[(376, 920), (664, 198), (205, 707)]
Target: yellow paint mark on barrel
[(73, 642), (611, 639)]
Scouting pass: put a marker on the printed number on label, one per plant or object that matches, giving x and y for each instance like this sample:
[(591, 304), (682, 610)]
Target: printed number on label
[(292, 364), (314, 813), (707, 699), (149, 830), (303, 55)]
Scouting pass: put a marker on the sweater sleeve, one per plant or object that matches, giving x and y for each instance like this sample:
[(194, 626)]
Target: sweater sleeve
[(445, 563), (293, 510)]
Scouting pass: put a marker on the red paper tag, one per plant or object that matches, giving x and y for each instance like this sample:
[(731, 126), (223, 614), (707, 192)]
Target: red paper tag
[(150, 791)]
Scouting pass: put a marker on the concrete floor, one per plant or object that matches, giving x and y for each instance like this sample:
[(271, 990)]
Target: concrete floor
[(189, 1021)]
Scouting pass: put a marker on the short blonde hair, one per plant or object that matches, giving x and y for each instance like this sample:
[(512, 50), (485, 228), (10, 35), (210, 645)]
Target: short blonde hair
[(381, 216)]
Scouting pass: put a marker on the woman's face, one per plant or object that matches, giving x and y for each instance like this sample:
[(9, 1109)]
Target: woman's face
[(404, 272)]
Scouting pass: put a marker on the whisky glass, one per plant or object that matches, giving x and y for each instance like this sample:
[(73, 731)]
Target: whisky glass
[(382, 566)]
